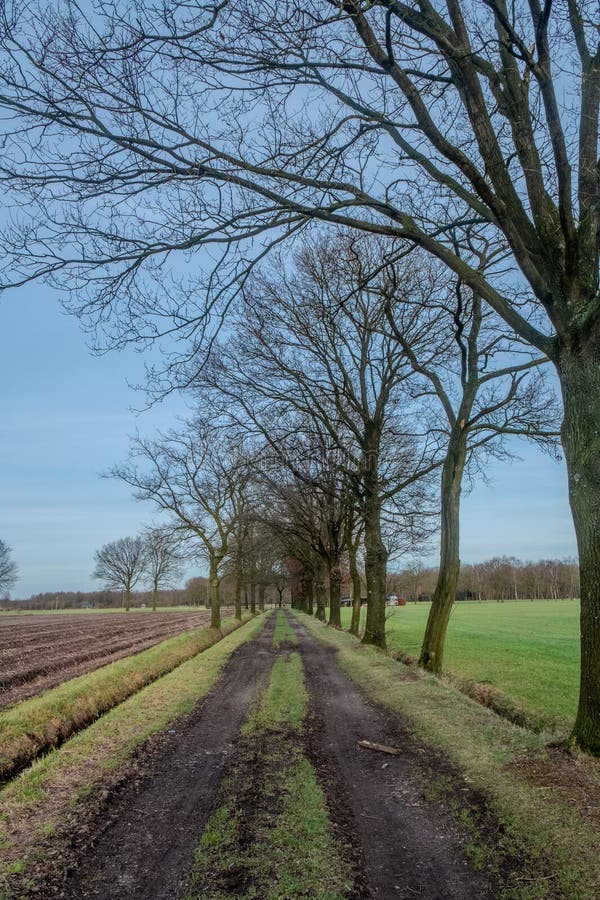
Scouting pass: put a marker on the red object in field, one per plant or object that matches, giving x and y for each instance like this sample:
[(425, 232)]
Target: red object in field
[(400, 601)]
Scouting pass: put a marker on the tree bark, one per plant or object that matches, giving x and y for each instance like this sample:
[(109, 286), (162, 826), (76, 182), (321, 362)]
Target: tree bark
[(579, 374), (356, 587), (308, 595), (335, 591), (432, 650), (252, 598), (261, 597), (213, 581), (321, 598), (238, 595), (127, 598), (154, 596), (376, 557)]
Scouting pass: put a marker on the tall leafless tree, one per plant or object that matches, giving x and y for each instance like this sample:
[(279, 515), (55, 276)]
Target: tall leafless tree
[(139, 132), (163, 559), (9, 571), (313, 340), (193, 475), (121, 565), (479, 386)]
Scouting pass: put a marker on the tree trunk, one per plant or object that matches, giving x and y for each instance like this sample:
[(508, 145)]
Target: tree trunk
[(335, 592), (154, 596), (321, 598), (127, 598), (252, 598), (238, 595), (356, 587), (261, 597), (376, 556), (580, 382), (302, 593), (297, 589), (213, 581), (432, 649), (308, 596)]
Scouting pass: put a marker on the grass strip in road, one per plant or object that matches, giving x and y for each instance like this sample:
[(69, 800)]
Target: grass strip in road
[(36, 725), (270, 836), (283, 633), (45, 802), (545, 802)]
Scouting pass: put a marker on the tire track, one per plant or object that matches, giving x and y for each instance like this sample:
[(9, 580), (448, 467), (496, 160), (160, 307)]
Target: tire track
[(411, 848), (154, 825)]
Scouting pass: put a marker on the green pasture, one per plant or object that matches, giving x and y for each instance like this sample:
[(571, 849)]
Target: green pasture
[(527, 650)]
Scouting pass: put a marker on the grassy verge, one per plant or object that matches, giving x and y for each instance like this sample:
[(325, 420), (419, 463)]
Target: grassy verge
[(522, 655), (46, 800), (545, 803), (270, 836), (283, 633), (43, 722)]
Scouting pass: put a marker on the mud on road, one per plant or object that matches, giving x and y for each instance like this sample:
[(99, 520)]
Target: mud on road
[(411, 847), (140, 844)]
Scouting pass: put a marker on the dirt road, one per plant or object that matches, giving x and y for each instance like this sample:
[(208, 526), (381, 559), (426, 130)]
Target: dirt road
[(411, 848), (142, 845), (153, 826)]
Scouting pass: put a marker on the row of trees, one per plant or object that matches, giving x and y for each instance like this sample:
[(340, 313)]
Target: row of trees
[(103, 599), (352, 382), (194, 593), (156, 558), (501, 578), (468, 130)]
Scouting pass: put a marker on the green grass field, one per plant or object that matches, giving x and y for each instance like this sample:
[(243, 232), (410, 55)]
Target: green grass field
[(530, 651)]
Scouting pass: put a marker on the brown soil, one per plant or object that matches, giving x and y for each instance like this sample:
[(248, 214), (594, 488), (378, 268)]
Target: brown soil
[(411, 848), (139, 840), (568, 774), (253, 790), (40, 652), (139, 843)]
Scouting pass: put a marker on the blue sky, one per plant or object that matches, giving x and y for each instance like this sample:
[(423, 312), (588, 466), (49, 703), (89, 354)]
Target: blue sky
[(66, 417)]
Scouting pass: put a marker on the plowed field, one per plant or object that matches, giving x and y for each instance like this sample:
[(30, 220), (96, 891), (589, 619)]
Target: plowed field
[(39, 652)]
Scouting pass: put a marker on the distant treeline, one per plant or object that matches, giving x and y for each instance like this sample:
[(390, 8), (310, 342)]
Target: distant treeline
[(500, 578), (194, 593)]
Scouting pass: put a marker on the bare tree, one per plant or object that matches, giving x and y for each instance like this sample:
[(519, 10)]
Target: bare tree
[(163, 559), (194, 475), (141, 132), (312, 341), (9, 571), (280, 579), (121, 565), (479, 385), (308, 482)]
